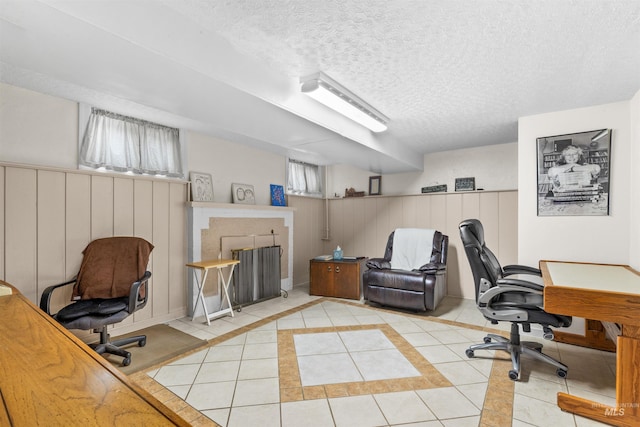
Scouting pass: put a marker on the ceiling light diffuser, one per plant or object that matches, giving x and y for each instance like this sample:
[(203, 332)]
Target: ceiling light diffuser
[(323, 89)]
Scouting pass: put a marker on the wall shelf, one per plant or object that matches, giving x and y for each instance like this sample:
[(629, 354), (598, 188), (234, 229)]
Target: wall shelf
[(214, 205)]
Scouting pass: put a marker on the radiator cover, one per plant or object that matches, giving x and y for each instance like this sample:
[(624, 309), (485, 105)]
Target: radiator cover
[(257, 277)]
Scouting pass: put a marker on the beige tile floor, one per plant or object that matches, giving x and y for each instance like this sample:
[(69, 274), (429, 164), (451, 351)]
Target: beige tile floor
[(346, 364)]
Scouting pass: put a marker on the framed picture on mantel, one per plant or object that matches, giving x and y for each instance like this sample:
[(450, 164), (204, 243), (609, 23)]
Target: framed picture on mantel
[(201, 187), (243, 193), (277, 195)]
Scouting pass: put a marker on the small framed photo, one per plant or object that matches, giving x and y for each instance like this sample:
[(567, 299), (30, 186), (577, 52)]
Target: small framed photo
[(465, 184), (277, 195), (243, 194), (375, 185), (201, 187)]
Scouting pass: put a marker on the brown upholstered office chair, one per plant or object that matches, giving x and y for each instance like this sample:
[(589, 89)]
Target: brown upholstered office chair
[(505, 294), (112, 284)]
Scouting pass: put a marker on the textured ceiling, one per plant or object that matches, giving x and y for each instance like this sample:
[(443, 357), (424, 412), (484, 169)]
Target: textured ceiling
[(449, 74)]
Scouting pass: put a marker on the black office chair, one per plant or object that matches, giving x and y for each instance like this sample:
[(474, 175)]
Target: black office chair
[(501, 296), (112, 284)]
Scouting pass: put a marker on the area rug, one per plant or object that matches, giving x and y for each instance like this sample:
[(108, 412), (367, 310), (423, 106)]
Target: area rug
[(163, 343)]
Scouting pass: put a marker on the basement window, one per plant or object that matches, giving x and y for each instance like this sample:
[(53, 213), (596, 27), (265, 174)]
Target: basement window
[(120, 143), (304, 179)]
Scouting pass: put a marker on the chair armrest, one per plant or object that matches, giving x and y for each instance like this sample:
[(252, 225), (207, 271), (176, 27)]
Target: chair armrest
[(433, 268), (379, 263), (523, 285), (135, 300), (520, 269), (486, 297), (45, 299)]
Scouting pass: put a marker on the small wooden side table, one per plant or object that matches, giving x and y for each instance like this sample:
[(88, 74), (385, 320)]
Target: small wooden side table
[(333, 278), (204, 267)]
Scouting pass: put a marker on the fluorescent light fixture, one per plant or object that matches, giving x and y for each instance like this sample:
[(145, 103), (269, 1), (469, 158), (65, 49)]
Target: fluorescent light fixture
[(600, 135), (323, 89)]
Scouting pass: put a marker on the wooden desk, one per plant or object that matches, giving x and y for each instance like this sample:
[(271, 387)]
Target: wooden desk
[(48, 377), (608, 293), (204, 267)]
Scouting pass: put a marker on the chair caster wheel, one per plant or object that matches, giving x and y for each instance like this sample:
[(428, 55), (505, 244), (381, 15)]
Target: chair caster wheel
[(487, 340), (469, 353), (142, 342), (561, 373), (126, 361), (513, 375)]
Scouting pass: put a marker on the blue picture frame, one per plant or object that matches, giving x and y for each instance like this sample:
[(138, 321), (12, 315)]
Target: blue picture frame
[(277, 195)]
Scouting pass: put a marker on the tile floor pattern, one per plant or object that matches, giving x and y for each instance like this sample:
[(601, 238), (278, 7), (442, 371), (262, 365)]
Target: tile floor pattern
[(309, 361)]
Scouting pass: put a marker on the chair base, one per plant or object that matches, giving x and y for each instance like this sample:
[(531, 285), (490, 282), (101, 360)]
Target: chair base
[(114, 347), (516, 348)]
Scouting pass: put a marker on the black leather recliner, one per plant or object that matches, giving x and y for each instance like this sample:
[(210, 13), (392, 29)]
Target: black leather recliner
[(512, 294), (420, 289)]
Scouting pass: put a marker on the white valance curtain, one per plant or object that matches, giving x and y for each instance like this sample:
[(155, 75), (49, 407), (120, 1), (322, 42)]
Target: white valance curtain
[(304, 178), (124, 144)]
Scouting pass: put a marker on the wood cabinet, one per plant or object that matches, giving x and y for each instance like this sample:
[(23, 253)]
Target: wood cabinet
[(341, 279)]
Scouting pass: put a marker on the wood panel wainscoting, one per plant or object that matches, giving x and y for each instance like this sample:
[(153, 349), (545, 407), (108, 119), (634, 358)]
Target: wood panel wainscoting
[(361, 226), (50, 216)]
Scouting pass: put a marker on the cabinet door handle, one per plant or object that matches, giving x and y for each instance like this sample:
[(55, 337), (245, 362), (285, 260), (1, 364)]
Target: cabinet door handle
[(337, 269), (329, 268)]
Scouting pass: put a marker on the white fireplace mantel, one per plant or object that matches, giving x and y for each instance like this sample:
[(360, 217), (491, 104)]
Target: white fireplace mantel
[(199, 214)]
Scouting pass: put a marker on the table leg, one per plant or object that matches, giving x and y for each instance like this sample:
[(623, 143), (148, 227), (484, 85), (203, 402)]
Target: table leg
[(223, 296), (200, 283), (627, 410), (225, 288)]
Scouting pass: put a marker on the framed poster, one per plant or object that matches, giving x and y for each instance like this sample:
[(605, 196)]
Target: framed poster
[(201, 187), (573, 173)]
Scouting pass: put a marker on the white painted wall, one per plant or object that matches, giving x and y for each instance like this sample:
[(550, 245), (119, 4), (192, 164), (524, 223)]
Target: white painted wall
[(495, 167), (55, 143), (51, 143), (615, 238), (604, 239), (235, 163), (634, 226)]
